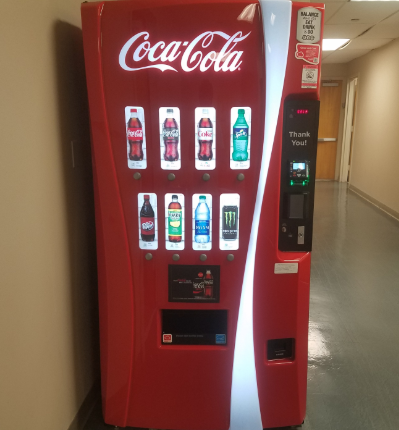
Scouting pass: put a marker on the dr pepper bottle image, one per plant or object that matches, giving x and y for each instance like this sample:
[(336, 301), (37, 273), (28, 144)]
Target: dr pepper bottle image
[(147, 220)]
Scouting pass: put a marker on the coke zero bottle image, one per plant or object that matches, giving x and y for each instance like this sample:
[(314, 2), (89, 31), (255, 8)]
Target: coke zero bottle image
[(205, 137), (175, 220), (170, 135), (208, 283), (135, 136), (147, 220)]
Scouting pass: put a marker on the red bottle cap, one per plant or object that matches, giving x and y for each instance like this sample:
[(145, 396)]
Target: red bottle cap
[(133, 110), (146, 197)]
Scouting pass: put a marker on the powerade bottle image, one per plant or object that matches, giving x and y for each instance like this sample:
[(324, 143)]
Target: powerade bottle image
[(202, 222), (174, 220), (240, 137)]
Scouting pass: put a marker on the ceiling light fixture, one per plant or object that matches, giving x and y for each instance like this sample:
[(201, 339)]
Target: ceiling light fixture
[(333, 44)]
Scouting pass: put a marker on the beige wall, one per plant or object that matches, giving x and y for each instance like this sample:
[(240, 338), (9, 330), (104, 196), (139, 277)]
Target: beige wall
[(337, 71), (47, 266), (376, 139)]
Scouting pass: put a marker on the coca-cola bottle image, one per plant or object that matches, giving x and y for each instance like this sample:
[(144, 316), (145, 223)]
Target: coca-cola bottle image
[(147, 220), (135, 137), (205, 137), (208, 293), (170, 134), (174, 220), (198, 286)]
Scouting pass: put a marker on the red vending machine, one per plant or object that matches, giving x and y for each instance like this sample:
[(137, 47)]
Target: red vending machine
[(204, 118)]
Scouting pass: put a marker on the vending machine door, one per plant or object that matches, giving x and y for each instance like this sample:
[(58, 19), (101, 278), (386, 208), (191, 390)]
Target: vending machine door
[(198, 330)]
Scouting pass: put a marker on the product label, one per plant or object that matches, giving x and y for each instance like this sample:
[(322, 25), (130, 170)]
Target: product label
[(168, 133), (174, 222), (147, 225), (205, 133), (201, 227), (135, 133), (307, 52), (240, 133), (310, 75), (308, 25)]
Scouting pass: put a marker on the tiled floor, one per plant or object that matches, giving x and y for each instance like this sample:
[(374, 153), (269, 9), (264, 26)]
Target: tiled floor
[(353, 380)]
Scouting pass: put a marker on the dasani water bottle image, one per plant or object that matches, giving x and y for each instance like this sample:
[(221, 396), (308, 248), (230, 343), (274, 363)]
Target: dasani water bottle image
[(202, 221)]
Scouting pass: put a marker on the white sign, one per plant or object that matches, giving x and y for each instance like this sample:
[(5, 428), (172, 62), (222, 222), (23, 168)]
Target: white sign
[(144, 53), (169, 131), (283, 268), (310, 75), (205, 138), (135, 137), (308, 25)]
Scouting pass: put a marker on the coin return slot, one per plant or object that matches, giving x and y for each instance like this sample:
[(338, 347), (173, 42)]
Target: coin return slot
[(279, 349)]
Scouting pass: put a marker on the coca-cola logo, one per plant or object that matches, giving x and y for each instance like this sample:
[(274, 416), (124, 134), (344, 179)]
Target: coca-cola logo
[(132, 132), (139, 49), (170, 133), (147, 226)]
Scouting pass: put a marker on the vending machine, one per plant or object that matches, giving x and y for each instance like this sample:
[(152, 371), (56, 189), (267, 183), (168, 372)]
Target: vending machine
[(204, 119)]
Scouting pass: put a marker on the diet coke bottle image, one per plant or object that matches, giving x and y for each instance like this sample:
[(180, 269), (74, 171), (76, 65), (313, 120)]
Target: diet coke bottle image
[(147, 221), (205, 146), (208, 283), (205, 137), (170, 138), (135, 136)]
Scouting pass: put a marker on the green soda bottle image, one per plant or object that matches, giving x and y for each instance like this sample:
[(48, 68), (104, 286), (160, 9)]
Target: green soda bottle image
[(240, 137)]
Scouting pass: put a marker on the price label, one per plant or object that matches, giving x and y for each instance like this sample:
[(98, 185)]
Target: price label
[(308, 25)]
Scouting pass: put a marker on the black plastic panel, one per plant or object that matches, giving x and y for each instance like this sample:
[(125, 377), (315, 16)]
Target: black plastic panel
[(280, 349), (297, 195), (194, 327)]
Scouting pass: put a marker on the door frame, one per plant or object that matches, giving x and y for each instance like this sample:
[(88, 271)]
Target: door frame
[(347, 132)]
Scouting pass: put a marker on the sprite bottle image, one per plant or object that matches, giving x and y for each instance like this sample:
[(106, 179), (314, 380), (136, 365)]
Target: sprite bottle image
[(240, 137)]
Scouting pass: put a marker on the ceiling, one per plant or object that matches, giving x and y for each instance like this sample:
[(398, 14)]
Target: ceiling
[(369, 25)]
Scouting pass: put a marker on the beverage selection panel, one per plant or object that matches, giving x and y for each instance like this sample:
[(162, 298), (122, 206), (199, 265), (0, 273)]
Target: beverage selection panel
[(204, 138)]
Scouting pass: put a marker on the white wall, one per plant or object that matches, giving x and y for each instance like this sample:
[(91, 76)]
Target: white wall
[(376, 140), (47, 264)]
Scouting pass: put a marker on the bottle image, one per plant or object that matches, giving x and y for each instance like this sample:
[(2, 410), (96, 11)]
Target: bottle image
[(135, 136), (170, 135), (208, 293), (229, 222), (174, 220), (205, 137), (202, 221), (240, 137), (198, 286), (147, 220)]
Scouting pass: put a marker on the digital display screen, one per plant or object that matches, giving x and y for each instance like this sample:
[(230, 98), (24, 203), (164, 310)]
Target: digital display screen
[(302, 111), (298, 166)]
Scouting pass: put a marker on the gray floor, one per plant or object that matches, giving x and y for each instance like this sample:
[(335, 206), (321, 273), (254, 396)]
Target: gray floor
[(353, 380)]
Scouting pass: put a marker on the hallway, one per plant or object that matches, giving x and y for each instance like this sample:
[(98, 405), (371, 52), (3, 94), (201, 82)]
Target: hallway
[(353, 381)]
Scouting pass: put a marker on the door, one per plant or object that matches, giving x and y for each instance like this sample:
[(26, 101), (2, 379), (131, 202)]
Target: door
[(330, 108)]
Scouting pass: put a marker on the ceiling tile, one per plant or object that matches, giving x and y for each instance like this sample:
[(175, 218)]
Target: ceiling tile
[(383, 30), (344, 31), (394, 19), (331, 9), (345, 55), (367, 12), (325, 54), (363, 43)]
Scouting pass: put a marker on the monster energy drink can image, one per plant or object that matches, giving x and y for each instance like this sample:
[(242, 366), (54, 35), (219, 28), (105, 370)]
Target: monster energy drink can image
[(229, 222)]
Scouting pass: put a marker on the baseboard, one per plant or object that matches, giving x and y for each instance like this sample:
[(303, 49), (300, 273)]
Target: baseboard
[(86, 408), (375, 202)]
